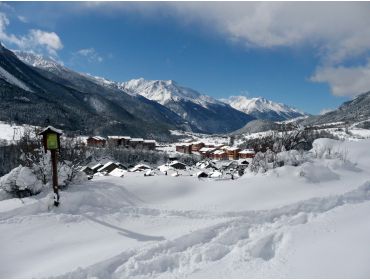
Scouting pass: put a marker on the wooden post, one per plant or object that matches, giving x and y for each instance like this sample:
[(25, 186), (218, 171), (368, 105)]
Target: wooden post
[(54, 163)]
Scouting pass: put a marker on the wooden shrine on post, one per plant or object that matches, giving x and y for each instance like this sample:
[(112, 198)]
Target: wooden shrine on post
[(51, 142)]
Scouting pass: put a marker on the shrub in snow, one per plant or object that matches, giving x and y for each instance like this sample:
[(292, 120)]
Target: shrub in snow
[(329, 149), (263, 162), (21, 181), (316, 173), (292, 157)]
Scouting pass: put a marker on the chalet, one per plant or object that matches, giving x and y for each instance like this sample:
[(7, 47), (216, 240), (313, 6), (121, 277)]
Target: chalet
[(196, 146), (219, 155), (96, 167), (206, 152), (108, 167), (140, 167), (184, 148), (136, 143), (232, 153), (117, 172), (209, 145), (177, 165), (149, 144), (119, 141), (248, 153), (96, 141), (206, 164)]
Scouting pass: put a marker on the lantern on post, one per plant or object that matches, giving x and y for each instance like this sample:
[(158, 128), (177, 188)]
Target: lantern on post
[(51, 142)]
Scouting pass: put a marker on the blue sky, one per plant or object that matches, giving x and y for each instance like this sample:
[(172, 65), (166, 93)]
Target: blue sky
[(286, 52)]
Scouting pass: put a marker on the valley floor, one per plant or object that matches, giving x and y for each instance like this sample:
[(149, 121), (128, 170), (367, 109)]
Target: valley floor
[(292, 222)]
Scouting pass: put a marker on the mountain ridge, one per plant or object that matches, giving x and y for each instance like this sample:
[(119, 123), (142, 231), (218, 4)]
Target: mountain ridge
[(262, 108)]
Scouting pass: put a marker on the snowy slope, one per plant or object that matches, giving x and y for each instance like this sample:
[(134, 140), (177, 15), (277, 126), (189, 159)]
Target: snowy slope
[(261, 108), (183, 227)]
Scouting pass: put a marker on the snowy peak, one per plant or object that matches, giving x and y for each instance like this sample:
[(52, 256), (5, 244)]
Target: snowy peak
[(37, 60), (164, 91), (262, 108)]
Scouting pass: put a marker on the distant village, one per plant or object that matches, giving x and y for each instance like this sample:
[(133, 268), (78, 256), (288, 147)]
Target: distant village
[(121, 141), (214, 151), (217, 160)]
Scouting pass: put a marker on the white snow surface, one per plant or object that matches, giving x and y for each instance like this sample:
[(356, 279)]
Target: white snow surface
[(281, 224)]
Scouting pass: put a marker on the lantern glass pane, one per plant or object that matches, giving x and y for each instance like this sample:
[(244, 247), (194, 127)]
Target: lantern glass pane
[(52, 141)]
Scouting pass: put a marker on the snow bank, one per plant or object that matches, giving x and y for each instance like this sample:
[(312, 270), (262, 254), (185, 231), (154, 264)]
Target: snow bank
[(21, 178)]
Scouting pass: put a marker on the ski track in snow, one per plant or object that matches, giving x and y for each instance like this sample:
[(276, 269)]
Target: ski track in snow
[(249, 235)]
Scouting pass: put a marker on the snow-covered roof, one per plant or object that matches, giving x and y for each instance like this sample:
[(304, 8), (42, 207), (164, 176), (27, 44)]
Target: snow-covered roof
[(247, 151), (204, 150), (139, 167), (105, 166), (137, 140), (117, 172), (219, 152), (176, 162), (59, 131), (232, 149), (96, 166), (97, 138), (119, 137), (197, 143), (184, 144), (149, 141)]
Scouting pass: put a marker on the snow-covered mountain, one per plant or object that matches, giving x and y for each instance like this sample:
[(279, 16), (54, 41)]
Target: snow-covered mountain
[(201, 111), (164, 92), (172, 103), (261, 108)]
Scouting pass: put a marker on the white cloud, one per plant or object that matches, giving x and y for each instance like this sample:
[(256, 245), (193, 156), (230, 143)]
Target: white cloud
[(90, 54), (22, 19), (344, 81), (36, 39)]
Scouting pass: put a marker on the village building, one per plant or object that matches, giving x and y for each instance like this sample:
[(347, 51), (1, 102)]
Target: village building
[(119, 140), (108, 167), (96, 141), (232, 153), (219, 155), (136, 143), (96, 167), (177, 165), (184, 148), (196, 146), (117, 172), (206, 152), (149, 144), (140, 167), (247, 153)]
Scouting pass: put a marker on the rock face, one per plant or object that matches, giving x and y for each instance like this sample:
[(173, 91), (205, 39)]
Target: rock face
[(264, 109)]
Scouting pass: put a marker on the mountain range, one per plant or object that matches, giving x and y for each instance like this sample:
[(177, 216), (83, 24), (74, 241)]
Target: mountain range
[(35, 89)]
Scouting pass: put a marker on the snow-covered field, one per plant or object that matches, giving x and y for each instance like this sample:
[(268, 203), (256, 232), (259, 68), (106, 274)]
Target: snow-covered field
[(306, 221)]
